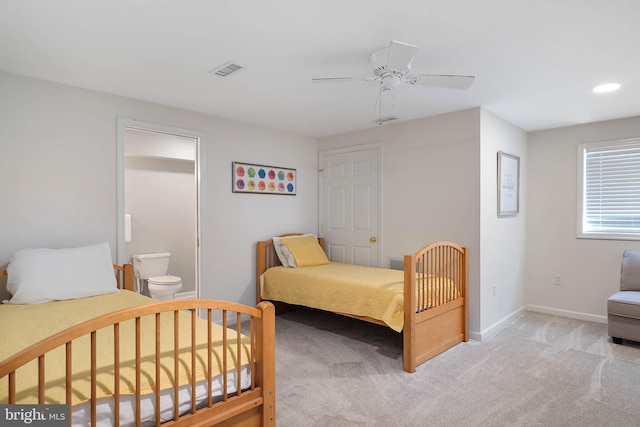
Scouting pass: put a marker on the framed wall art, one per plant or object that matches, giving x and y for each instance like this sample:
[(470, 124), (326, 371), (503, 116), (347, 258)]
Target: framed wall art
[(262, 179), (508, 184)]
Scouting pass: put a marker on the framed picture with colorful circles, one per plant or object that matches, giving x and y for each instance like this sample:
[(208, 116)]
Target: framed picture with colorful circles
[(262, 179)]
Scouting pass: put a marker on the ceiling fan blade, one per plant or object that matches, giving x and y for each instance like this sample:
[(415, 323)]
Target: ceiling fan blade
[(342, 79), (400, 56), (447, 81)]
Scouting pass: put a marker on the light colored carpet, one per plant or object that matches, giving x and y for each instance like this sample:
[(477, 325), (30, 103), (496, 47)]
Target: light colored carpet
[(540, 370)]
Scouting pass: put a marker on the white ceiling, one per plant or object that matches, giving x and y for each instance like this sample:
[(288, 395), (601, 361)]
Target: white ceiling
[(535, 61)]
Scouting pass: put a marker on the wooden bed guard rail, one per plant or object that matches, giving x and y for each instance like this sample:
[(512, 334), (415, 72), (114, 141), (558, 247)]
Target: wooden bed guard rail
[(254, 405), (435, 295)]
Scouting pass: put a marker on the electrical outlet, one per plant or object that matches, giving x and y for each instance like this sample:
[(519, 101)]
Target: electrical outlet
[(557, 280)]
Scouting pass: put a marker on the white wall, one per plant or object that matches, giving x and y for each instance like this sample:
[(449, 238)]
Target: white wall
[(431, 186), (589, 268), (58, 169), (502, 239)]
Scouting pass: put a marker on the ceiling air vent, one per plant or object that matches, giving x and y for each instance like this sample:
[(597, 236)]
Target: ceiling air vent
[(226, 69)]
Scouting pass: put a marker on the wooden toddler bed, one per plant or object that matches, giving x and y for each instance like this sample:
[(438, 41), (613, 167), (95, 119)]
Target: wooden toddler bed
[(426, 301), (119, 368)]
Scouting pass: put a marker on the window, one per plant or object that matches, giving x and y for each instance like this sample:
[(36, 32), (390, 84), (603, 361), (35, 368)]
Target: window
[(609, 190)]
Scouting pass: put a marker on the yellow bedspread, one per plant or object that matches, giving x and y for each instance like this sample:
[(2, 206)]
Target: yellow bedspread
[(344, 288), (23, 325)]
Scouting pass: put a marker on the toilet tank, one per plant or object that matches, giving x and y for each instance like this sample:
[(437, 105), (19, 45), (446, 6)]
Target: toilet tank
[(151, 265)]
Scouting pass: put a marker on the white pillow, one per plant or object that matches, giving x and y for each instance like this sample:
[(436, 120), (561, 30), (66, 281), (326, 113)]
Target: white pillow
[(41, 275), (284, 254), (277, 245)]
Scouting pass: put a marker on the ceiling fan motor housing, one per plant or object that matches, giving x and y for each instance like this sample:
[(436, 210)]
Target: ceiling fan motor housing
[(378, 60)]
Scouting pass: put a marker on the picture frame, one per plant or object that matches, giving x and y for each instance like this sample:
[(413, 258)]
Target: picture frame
[(263, 179), (508, 184)]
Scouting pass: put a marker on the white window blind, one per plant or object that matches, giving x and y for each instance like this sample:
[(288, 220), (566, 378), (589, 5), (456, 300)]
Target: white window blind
[(611, 189)]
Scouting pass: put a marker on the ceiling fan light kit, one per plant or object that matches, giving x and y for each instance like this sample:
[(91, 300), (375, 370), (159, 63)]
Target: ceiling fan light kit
[(390, 81), (391, 67)]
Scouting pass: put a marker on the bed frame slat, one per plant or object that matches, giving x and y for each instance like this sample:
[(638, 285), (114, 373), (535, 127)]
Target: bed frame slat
[(41, 380), (93, 380), (238, 361), (252, 333), (209, 357), (12, 387), (193, 360), (157, 381), (176, 364), (225, 367), (116, 374), (68, 373), (137, 364)]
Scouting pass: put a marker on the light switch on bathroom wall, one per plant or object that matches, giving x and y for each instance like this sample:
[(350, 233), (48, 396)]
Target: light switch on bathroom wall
[(127, 228)]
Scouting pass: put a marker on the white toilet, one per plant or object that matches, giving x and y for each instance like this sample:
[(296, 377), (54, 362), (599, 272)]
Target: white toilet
[(153, 268)]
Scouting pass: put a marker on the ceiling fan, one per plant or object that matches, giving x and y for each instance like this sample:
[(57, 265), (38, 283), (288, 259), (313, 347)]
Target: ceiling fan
[(391, 66)]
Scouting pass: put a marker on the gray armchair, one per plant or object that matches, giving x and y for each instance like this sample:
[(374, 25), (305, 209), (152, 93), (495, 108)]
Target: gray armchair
[(623, 308)]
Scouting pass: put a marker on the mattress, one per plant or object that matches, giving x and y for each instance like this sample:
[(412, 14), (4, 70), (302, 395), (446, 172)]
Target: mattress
[(81, 414), (352, 289), (342, 288)]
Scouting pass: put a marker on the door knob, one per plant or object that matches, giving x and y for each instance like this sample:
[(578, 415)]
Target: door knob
[(373, 240)]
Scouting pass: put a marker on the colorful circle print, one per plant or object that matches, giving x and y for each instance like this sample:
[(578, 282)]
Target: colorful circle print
[(256, 178)]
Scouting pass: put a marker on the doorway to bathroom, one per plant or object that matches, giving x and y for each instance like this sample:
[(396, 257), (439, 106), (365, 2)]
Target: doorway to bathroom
[(159, 171)]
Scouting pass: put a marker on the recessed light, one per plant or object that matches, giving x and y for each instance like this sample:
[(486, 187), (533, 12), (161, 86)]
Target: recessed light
[(607, 87)]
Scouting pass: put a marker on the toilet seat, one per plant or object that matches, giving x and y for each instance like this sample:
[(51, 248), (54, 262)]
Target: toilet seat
[(164, 280), (164, 288)]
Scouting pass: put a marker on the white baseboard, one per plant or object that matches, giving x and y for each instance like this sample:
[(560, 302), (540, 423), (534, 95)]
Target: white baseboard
[(186, 295), (566, 313), (499, 325), (496, 327)]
